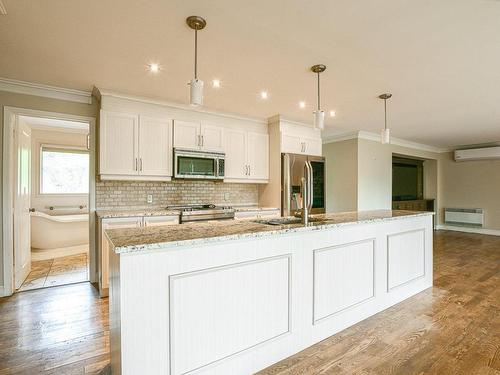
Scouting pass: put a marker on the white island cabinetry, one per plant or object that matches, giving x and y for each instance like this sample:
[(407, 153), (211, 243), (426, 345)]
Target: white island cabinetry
[(237, 303)]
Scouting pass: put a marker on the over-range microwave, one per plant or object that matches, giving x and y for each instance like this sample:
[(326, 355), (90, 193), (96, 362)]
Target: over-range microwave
[(194, 164)]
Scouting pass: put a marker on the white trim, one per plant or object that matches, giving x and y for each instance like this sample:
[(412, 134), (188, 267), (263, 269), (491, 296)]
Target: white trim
[(99, 93), (12, 113), (279, 118), (376, 138), (3, 9), (491, 232), (37, 89)]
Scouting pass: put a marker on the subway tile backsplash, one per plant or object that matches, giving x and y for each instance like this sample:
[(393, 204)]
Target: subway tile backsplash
[(133, 194)]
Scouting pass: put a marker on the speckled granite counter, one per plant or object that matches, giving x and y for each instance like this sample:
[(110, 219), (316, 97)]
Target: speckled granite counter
[(253, 208), (105, 214), (138, 239)]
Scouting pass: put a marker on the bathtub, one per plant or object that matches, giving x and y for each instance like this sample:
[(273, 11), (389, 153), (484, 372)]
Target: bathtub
[(55, 232)]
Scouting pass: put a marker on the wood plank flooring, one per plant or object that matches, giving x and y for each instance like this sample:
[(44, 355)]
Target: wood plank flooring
[(453, 328)]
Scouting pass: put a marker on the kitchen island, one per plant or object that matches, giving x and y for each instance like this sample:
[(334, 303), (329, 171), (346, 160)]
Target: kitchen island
[(233, 297)]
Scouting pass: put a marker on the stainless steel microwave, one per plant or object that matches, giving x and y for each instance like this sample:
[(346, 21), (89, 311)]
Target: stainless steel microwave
[(194, 164)]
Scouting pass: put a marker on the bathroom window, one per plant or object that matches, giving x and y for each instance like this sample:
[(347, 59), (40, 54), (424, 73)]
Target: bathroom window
[(64, 171)]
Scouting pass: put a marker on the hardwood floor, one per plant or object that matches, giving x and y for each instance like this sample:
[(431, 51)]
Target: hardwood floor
[(453, 328)]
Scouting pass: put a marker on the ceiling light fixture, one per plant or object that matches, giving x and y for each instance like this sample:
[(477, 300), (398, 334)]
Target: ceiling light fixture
[(216, 84), (302, 105), (333, 114), (385, 135), (264, 95), (154, 68), (196, 85), (319, 115)]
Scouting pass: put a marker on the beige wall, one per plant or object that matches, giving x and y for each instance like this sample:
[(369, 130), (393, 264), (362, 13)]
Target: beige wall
[(472, 184), (42, 104), (341, 175)]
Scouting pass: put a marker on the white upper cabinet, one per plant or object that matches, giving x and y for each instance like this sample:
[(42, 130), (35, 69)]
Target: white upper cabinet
[(187, 134), (155, 147), (258, 156), (198, 136), (236, 154), (118, 144), (297, 139), (247, 156), (134, 147)]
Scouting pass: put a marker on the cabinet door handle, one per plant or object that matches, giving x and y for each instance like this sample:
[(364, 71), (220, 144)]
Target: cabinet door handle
[(140, 164), (202, 141), (249, 170), (135, 168)]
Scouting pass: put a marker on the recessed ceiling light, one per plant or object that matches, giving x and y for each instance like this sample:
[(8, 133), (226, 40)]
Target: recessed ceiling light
[(332, 114), (216, 84), (154, 68), (302, 104), (264, 95)]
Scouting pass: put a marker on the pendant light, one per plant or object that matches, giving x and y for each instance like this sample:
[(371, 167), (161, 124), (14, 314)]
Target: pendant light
[(319, 115), (196, 85), (385, 135)]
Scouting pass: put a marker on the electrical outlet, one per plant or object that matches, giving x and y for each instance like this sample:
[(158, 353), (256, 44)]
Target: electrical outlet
[(150, 198), (226, 196)]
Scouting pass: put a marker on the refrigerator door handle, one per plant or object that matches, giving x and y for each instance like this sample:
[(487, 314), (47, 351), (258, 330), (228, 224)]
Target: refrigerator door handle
[(309, 185)]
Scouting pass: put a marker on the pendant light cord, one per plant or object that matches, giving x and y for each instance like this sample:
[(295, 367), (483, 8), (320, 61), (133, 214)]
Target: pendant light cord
[(319, 104), (385, 114), (196, 53)]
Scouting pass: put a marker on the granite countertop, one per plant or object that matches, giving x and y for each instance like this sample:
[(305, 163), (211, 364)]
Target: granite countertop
[(162, 237), (106, 214)]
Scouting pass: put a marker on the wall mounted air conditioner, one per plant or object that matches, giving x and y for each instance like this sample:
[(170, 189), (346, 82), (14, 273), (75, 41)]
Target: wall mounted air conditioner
[(467, 217), (488, 153)]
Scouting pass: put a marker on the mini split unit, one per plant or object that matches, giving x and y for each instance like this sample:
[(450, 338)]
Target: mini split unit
[(488, 153)]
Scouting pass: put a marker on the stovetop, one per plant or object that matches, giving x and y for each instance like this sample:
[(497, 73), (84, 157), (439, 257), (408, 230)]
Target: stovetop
[(199, 212), (200, 207)]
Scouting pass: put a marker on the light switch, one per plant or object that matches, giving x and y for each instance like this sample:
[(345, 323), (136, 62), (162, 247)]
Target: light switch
[(150, 198)]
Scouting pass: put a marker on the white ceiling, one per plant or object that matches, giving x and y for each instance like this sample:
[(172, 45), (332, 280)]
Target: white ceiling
[(439, 59)]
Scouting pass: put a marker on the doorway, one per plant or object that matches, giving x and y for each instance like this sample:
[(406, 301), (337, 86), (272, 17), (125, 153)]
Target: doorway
[(51, 188)]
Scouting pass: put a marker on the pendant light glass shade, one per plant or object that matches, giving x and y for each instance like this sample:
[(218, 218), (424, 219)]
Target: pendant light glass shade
[(385, 136), (319, 119), (196, 92)]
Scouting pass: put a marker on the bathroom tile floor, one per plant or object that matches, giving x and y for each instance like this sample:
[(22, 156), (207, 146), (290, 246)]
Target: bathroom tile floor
[(58, 271)]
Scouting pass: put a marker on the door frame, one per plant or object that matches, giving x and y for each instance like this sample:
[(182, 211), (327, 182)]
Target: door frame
[(11, 123)]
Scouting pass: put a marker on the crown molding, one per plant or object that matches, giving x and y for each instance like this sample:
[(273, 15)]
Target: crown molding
[(100, 93), (369, 136), (46, 91), (3, 9)]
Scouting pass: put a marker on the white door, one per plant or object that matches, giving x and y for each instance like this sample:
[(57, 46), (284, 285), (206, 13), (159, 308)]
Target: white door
[(258, 156), (156, 221), (212, 138), (22, 219), (187, 135), (115, 223), (313, 146), (291, 144), (236, 154), (118, 144), (155, 147)]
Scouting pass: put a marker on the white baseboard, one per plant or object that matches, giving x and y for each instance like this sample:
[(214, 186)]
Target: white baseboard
[(491, 232), (2, 292)]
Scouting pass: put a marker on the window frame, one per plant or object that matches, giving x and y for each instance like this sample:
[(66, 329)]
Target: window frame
[(59, 148)]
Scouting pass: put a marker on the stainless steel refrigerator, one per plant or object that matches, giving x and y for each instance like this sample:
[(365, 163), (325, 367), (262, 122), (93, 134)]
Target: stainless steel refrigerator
[(293, 167)]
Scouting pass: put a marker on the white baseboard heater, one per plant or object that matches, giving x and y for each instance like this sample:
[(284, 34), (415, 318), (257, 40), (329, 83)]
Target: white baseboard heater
[(466, 217)]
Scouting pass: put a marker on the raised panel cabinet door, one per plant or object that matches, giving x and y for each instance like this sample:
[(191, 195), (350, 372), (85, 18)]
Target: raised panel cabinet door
[(118, 143), (155, 147), (212, 138), (114, 223), (187, 135), (291, 144), (312, 146), (258, 156), (236, 155)]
